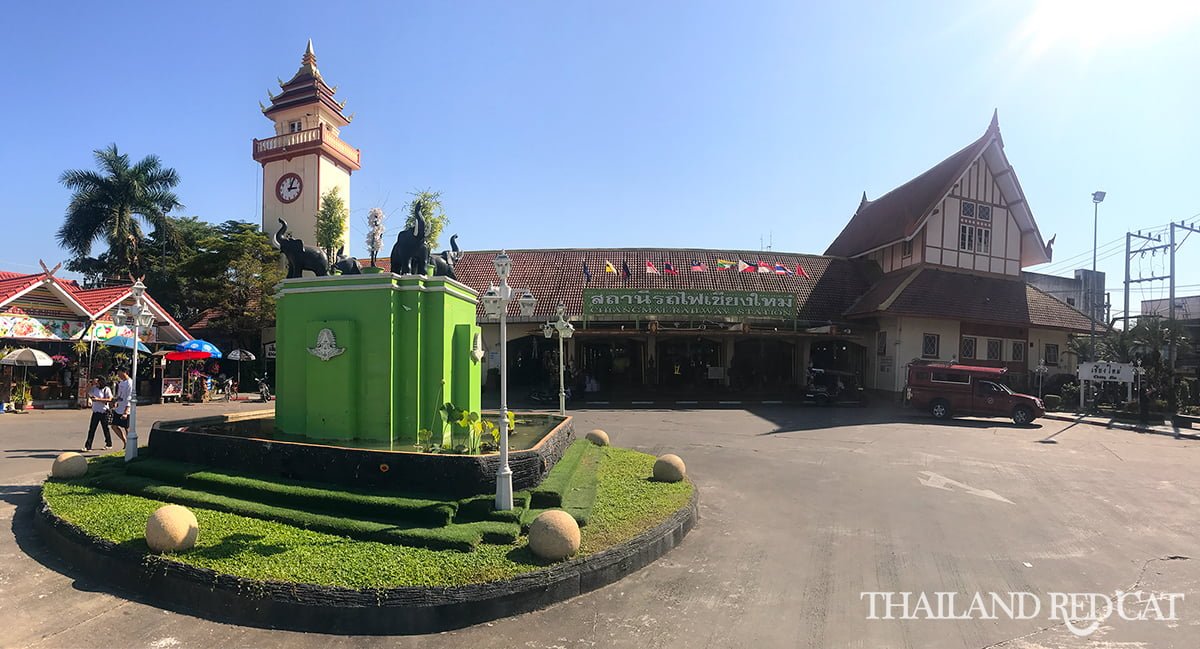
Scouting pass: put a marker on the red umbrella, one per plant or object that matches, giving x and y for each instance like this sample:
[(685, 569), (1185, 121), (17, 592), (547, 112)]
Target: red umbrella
[(189, 355)]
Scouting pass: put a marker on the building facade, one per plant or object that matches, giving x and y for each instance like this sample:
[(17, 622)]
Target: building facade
[(1076, 291)]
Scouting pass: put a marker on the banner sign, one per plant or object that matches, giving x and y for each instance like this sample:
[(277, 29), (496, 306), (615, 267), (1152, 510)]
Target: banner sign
[(23, 326), (1103, 371), (617, 301)]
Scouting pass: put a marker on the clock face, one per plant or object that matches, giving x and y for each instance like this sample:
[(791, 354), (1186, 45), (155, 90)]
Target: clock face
[(288, 188)]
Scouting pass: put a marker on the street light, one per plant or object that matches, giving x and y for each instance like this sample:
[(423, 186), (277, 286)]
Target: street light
[(1097, 198), (141, 318), (564, 330), (495, 305)]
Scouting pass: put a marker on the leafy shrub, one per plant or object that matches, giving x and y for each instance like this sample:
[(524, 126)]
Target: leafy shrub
[(1070, 394)]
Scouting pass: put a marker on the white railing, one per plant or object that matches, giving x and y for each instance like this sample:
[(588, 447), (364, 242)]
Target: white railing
[(287, 139), (307, 136)]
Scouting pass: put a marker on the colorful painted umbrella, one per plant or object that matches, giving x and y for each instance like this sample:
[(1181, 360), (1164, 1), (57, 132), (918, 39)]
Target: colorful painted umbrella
[(125, 342), (199, 346)]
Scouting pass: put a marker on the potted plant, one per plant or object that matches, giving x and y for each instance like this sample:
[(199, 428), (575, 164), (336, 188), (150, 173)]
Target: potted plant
[(21, 395)]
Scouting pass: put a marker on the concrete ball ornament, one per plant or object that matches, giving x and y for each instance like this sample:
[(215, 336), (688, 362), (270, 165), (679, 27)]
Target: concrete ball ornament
[(69, 465), (172, 528), (669, 468), (554, 535), (598, 437)]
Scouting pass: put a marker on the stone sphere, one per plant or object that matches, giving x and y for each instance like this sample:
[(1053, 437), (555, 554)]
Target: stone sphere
[(172, 528), (69, 465), (598, 437), (554, 535), (669, 468)]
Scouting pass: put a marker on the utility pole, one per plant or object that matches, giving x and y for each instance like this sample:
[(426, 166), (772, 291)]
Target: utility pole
[(1129, 253), (1172, 330)]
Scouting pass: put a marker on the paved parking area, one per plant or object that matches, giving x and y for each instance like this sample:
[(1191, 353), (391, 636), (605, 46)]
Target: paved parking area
[(802, 510)]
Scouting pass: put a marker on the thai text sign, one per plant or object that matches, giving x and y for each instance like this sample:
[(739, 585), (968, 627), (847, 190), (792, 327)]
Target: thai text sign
[(1103, 371), (617, 301)]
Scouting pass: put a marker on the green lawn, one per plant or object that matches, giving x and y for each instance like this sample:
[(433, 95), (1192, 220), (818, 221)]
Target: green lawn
[(626, 503)]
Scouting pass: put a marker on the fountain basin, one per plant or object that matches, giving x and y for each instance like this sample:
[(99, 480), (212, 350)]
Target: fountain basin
[(248, 442)]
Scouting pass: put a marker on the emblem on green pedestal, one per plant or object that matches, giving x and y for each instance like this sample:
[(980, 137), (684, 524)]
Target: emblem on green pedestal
[(477, 348), (326, 346)]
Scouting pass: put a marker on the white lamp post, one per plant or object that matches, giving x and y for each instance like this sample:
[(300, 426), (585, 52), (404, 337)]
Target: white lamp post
[(495, 305), (142, 318), (1041, 370), (565, 330)]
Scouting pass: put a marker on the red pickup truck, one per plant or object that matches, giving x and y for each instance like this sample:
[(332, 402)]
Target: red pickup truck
[(945, 390)]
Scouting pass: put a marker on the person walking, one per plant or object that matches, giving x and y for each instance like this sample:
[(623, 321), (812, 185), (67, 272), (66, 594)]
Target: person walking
[(100, 396), (121, 402)]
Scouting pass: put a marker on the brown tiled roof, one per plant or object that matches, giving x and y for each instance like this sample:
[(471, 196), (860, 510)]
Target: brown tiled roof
[(927, 292), (557, 274), (896, 214)]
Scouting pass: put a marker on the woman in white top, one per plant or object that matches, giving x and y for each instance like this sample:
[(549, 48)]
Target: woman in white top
[(100, 396)]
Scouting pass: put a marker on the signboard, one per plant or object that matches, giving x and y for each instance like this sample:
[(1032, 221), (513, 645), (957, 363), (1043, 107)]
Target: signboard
[(885, 363), (1104, 371), (621, 301), (269, 350), (28, 327)]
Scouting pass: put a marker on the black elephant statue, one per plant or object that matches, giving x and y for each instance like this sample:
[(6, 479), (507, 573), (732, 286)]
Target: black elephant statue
[(443, 264), (299, 256), (410, 253), (346, 264)]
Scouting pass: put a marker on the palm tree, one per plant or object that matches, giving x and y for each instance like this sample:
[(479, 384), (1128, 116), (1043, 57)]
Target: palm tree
[(104, 205)]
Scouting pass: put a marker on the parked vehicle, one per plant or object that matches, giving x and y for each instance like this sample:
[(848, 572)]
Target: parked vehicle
[(946, 390), (264, 389), (829, 387)]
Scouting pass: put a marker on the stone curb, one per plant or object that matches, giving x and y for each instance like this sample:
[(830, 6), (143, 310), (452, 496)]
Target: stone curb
[(1120, 425), (326, 609)]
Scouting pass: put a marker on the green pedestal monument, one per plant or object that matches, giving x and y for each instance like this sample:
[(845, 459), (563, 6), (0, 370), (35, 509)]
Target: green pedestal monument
[(372, 357)]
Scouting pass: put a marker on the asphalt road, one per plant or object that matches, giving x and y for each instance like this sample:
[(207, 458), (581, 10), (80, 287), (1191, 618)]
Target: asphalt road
[(802, 510)]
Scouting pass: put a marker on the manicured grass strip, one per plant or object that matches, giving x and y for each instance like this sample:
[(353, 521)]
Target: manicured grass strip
[(293, 495), (483, 508), (550, 492), (580, 495), (627, 504), (463, 538)]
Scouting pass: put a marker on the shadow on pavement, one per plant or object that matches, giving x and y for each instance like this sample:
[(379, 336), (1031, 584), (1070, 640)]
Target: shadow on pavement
[(799, 419)]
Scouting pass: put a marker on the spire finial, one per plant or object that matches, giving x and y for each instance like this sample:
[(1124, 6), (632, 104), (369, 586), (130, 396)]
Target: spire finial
[(862, 202), (308, 62), (995, 125)]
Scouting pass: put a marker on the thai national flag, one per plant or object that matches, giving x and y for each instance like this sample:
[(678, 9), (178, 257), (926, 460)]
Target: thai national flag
[(780, 269)]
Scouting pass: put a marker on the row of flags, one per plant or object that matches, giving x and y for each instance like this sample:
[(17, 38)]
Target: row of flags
[(698, 266)]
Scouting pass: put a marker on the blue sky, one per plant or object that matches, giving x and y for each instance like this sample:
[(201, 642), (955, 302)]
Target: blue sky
[(625, 123)]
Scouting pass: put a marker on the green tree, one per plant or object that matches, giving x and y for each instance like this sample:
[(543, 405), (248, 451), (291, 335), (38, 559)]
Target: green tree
[(109, 204), (429, 205), (331, 222)]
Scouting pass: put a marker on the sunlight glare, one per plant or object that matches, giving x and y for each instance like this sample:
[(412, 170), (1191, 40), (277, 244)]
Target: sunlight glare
[(1085, 26)]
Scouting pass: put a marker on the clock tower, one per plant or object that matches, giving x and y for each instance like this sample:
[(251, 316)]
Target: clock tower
[(306, 157)]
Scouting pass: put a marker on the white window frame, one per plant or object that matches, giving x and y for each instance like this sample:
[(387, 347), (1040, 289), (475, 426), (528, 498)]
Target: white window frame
[(937, 345), (962, 347), (906, 249), (987, 349), (982, 209), (1013, 347), (1046, 354), (966, 237), (295, 126), (983, 241)]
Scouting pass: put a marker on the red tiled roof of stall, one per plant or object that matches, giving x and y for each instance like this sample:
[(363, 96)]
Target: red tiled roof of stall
[(896, 215), (926, 292), (14, 284), (97, 299), (554, 274)]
